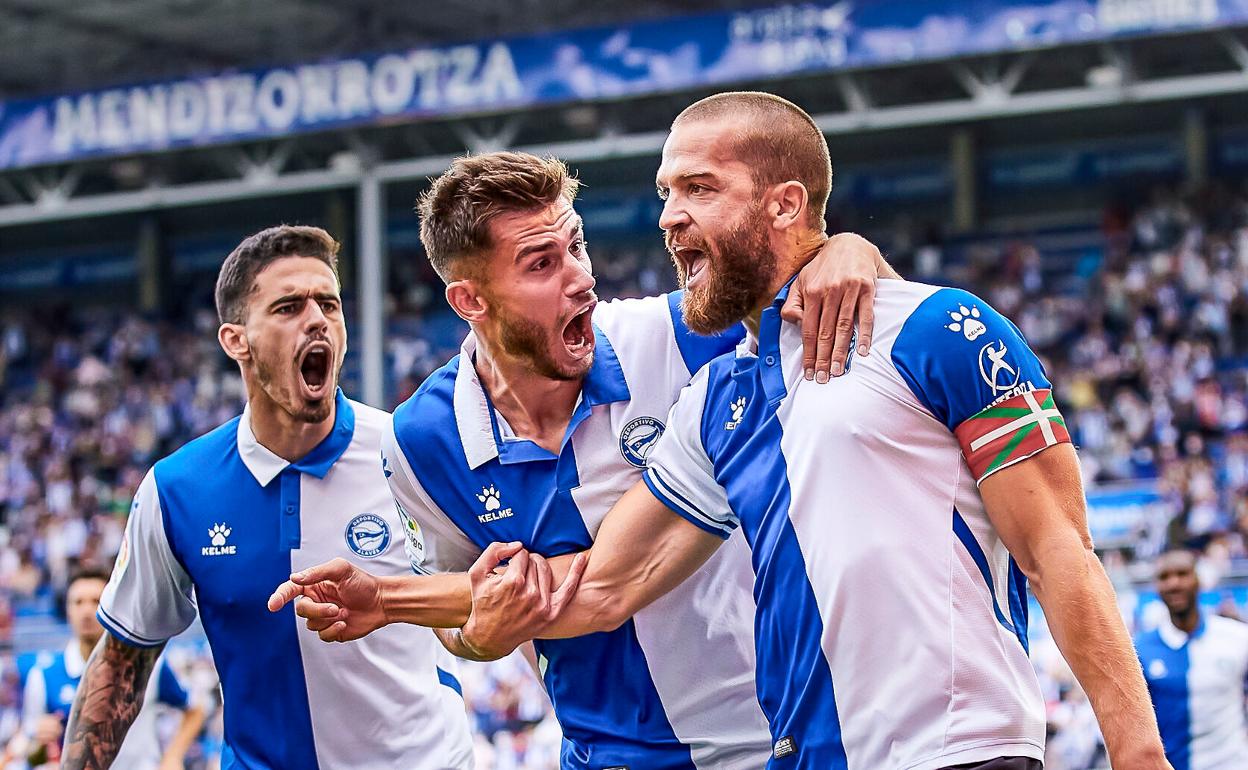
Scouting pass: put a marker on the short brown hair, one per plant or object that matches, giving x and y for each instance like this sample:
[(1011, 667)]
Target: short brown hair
[(780, 142), (456, 211), (237, 278)]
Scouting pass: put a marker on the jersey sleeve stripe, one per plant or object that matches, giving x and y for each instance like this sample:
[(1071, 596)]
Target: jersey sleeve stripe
[(1010, 432), (684, 508), (116, 629)]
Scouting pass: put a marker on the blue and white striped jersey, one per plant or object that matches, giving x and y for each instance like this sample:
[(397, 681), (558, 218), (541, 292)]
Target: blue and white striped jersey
[(226, 519), (1198, 686), (673, 688), (892, 621)]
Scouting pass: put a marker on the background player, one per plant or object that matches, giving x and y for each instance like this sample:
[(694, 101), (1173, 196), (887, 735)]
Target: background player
[(544, 419), (51, 685), (920, 569), (1196, 666), (293, 481)]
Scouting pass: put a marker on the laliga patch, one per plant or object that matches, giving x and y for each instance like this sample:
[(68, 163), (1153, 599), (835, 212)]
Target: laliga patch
[(784, 747), (368, 535), (1010, 431), (638, 438)]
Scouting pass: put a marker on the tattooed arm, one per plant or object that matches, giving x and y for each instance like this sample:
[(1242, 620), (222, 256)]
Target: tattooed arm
[(108, 700)]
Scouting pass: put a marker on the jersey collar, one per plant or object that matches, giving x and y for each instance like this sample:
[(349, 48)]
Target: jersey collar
[(1175, 637), (478, 424), (265, 465), (75, 664)]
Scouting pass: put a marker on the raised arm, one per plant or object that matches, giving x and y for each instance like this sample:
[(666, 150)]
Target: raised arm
[(1037, 507), (109, 698)]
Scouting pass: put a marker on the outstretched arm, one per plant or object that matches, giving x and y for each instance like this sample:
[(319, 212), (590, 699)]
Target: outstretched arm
[(1037, 507), (109, 698)]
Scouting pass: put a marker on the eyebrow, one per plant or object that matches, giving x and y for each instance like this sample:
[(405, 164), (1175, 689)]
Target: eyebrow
[(685, 177), (295, 296), (547, 243)]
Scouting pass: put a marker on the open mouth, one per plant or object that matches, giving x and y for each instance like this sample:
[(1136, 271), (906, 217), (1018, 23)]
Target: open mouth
[(695, 263), (578, 334), (314, 369)]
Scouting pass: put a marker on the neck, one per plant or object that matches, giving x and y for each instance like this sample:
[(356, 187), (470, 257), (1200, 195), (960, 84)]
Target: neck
[(86, 647), (537, 408), (281, 434), (790, 259), (1187, 620)]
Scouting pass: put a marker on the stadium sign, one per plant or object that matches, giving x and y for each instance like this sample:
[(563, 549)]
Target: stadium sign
[(589, 64)]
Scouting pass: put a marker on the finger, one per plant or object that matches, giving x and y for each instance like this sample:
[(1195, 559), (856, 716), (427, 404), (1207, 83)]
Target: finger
[(285, 593), (319, 625), (491, 557), (567, 589), (544, 578), (866, 317), (334, 633), (518, 569), (332, 570), (837, 338), (812, 309), (791, 311), (317, 610)]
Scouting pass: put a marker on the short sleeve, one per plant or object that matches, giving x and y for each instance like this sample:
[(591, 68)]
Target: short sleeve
[(432, 541), (169, 689), (148, 598), (679, 472), (972, 369), (640, 325)]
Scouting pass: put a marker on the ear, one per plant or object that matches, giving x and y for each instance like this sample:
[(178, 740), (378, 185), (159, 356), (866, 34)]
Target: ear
[(233, 339), (786, 204), (465, 298)]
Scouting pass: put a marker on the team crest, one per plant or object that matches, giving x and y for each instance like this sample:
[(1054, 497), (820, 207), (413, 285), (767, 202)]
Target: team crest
[(638, 439), (368, 535)]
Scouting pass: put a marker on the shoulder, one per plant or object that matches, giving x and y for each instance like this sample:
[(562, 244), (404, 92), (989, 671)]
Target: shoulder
[(188, 462), (622, 314), (1227, 628), (431, 405), (370, 422)]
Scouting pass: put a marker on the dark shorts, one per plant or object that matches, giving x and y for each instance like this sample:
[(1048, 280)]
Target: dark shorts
[(1002, 763)]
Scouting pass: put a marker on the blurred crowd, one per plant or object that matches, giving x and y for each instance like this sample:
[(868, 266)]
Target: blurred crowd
[(1146, 338)]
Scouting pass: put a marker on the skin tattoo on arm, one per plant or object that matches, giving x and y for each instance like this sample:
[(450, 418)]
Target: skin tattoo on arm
[(107, 702)]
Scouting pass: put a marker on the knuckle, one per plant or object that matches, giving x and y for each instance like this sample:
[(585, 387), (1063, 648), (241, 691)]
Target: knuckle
[(844, 324)]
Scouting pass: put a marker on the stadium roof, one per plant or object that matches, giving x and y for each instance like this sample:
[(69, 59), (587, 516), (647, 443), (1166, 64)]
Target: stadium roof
[(49, 46)]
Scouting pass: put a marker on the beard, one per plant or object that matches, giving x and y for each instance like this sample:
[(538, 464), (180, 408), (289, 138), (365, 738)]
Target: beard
[(269, 375), (526, 340), (741, 272)]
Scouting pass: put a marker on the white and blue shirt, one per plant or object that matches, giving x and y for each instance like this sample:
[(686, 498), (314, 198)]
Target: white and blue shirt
[(891, 620), (671, 689), (53, 682), (1198, 686), (228, 520)]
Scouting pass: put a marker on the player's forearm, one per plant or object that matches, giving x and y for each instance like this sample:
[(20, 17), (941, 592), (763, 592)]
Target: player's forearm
[(1082, 613), (435, 601), (109, 698), (181, 742)]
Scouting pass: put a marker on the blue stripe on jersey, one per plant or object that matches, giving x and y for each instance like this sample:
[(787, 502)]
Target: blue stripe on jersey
[(963, 531), (125, 637), (698, 350), (201, 486), (448, 679), (1165, 672), (599, 684), (168, 689), (794, 680), (59, 688), (1018, 604)]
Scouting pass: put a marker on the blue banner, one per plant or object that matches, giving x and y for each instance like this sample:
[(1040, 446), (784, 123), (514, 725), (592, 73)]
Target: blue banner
[(1122, 514), (589, 64)]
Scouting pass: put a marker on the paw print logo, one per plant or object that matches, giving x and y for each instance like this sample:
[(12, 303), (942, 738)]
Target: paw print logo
[(738, 411), (490, 496), (219, 533), (967, 322)]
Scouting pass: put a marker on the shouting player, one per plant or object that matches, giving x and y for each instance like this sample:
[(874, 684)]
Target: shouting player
[(893, 515), (545, 418), (292, 482)]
